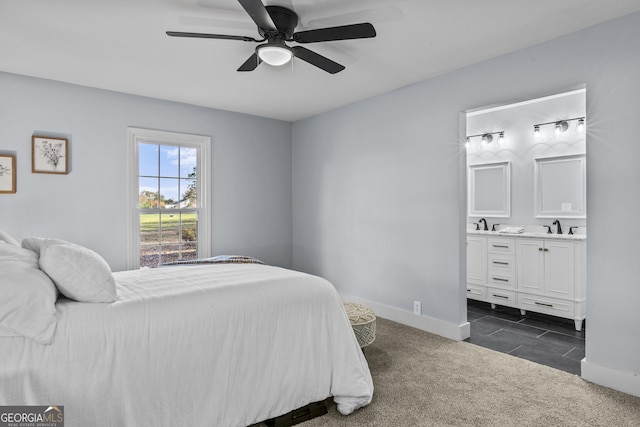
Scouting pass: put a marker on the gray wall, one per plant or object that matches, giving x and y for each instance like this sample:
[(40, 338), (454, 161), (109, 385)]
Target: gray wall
[(376, 200), (377, 206), (251, 168)]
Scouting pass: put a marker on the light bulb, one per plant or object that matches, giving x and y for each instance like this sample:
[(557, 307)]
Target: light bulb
[(274, 55), (536, 132), (580, 126), (561, 126)]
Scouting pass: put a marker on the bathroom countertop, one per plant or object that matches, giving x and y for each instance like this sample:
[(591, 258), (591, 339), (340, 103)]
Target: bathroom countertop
[(528, 235)]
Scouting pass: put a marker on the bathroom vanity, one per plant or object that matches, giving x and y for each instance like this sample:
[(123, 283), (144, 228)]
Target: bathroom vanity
[(538, 272)]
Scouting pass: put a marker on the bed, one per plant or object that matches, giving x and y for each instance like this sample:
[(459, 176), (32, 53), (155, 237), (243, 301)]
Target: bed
[(228, 344)]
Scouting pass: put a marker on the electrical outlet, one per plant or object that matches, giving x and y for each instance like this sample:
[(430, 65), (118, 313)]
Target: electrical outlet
[(417, 307)]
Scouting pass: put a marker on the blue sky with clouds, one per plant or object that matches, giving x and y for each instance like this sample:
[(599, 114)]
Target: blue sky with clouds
[(166, 166)]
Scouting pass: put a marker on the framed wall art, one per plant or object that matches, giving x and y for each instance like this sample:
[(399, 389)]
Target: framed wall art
[(49, 155), (7, 174)]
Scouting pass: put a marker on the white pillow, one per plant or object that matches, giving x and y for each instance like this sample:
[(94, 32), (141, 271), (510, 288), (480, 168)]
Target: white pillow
[(78, 272), (4, 237), (36, 244), (28, 297)]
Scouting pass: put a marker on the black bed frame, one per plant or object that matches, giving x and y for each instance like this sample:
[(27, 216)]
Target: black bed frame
[(312, 410)]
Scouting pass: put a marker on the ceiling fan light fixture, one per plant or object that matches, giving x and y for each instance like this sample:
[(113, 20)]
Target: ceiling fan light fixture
[(275, 55)]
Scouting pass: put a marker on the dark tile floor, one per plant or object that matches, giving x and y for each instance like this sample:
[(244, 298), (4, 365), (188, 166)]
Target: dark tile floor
[(543, 339)]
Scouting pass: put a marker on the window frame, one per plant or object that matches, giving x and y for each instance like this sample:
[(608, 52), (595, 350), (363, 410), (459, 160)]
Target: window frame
[(202, 144)]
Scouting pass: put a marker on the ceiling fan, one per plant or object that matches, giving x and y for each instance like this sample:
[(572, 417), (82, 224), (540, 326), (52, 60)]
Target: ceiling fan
[(276, 24)]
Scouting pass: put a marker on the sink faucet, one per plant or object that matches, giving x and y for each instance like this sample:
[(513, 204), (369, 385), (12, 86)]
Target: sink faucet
[(486, 227), (559, 229)]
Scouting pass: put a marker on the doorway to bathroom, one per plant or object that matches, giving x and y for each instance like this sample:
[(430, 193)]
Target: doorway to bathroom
[(526, 228)]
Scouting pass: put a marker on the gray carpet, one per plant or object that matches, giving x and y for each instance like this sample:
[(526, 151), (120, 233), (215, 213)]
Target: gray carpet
[(422, 379)]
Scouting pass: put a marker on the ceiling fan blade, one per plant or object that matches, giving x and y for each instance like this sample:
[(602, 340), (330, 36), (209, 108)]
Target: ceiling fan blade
[(251, 63), (216, 22), (316, 59), (211, 36), (343, 32), (259, 14)]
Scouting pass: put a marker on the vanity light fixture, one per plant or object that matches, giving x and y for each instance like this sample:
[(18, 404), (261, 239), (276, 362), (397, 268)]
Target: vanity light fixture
[(486, 137), (561, 126), (536, 132)]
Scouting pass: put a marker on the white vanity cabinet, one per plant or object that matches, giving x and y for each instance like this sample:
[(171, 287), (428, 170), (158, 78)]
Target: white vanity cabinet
[(476, 267), (545, 275), (546, 268), (551, 277)]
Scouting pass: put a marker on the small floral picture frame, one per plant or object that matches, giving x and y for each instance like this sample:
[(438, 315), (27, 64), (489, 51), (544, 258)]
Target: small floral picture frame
[(7, 174), (49, 155)]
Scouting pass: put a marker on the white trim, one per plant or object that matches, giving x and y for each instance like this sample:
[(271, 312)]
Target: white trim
[(435, 326), (485, 110), (626, 382), (203, 144)]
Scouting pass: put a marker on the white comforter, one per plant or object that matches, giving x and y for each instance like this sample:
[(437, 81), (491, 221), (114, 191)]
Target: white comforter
[(201, 345)]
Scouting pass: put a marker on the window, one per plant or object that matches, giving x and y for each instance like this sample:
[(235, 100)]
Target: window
[(169, 217)]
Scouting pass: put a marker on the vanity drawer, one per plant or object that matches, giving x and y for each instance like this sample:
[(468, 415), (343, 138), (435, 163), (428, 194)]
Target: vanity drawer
[(501, 297), (501, 263), (502, 280), (552, 306), (498, 245), (476, 292)]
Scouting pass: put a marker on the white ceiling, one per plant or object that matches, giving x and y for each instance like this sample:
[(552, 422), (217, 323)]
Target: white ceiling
[(121, 45)]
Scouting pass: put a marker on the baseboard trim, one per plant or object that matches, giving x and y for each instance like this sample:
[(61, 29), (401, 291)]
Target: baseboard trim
[(626, 382), (425, 323)]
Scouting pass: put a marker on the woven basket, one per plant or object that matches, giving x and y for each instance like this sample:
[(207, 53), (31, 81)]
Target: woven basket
[(363, 322)]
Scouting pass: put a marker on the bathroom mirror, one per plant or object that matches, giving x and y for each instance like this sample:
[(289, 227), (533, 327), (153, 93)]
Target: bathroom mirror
[(489, 190), (560, 187)]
